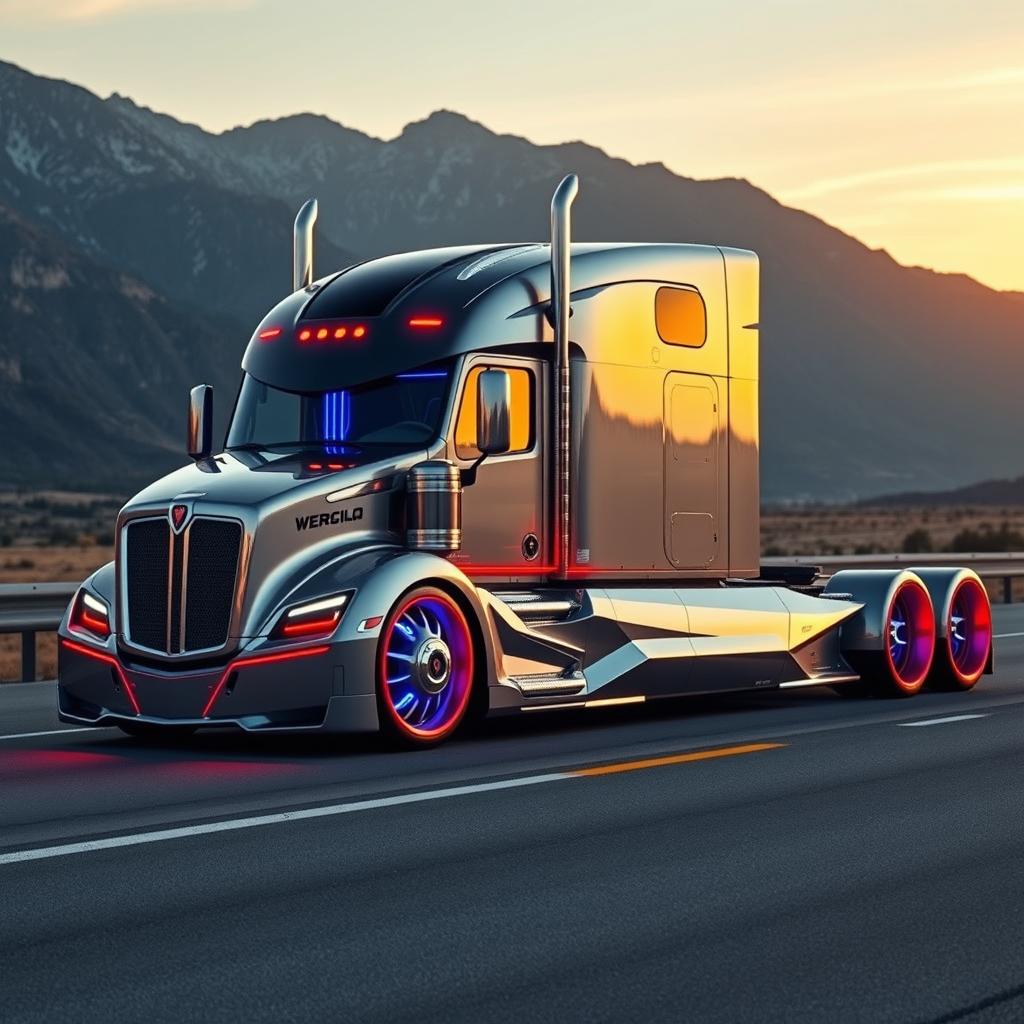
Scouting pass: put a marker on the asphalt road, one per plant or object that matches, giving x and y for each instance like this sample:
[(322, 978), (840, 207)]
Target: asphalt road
[(836, 860)]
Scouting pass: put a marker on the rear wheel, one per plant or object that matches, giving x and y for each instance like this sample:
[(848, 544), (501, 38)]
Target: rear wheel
[(425, 667), (962, 659), (909, 642)]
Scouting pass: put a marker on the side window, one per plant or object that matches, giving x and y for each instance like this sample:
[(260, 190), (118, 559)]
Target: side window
[(680, 316), (521, 418)]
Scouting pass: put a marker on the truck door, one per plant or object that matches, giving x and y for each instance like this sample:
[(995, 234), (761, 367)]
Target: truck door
[(503, 511), (693, 452)]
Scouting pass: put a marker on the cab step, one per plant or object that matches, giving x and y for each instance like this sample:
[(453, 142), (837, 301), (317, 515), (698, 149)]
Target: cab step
[(550, 686), (534, 608)]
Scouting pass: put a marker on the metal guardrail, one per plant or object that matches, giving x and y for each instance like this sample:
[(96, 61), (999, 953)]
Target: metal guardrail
[(1005, 566), (31, 608)]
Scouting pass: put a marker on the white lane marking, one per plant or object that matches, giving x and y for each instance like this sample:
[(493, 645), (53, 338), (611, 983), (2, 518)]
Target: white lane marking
[(1005, 636), (940, 721), (162, 835), (52, 732)]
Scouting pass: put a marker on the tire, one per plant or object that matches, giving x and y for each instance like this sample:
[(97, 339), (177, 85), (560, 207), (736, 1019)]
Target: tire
[(964, 651), (425, 668), (901, 668)]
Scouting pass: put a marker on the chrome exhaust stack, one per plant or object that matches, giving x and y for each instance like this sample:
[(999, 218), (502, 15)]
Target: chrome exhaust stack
[(302, 246), (561, 240)]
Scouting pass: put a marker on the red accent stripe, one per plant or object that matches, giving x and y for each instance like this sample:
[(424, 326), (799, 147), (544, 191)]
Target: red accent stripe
[(262, 659), (108, 660), (312, 626), (98, 626), (269, 334), (504, 570)]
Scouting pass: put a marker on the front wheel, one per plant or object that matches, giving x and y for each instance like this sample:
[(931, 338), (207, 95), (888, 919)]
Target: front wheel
[(425, 667)]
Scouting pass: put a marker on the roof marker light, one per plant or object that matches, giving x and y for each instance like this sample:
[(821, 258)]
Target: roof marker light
[(269, 334), (305, 335), (321, 334), (426, 321), (340, 332), (359, 331)]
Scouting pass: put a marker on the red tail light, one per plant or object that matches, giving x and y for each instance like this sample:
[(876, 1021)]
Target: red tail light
[(269, 334), (426, 321)]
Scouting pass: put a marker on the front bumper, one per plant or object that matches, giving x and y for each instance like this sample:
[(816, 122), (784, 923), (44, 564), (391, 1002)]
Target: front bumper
[(327, 687)]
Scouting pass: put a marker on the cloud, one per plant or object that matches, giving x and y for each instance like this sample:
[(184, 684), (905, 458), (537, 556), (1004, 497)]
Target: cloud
[(1010, 192), (94, 10), (882, 176)]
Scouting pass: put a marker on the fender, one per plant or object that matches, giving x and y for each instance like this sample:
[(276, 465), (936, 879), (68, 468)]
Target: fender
[(377, 578)]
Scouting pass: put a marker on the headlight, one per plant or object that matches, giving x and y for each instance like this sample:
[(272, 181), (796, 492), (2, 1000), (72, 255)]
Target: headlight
[(316, 619), (90, 615)]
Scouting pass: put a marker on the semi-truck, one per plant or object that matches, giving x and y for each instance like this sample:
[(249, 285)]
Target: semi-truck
[(483, 480)]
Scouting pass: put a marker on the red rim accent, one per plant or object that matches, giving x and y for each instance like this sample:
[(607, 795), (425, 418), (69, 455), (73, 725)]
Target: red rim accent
[(920, 627), (463, 640), (971, 599)]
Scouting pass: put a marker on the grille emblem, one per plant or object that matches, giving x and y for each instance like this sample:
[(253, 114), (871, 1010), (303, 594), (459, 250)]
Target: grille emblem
[(179, 515)]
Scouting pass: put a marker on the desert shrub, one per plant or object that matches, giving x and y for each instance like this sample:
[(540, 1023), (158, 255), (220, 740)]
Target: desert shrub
[(917, 541), (988, 539), (62, 537)]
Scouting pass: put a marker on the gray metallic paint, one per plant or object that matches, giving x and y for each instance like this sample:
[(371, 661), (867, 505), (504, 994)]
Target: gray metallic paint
[(665, 506)]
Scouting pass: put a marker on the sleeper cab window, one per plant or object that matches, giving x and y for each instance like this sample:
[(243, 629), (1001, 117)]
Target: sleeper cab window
[(681, 317), (521, 418)]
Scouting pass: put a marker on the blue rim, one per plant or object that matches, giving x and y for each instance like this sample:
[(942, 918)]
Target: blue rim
[(959, 633), (899, 636), (424, 619)]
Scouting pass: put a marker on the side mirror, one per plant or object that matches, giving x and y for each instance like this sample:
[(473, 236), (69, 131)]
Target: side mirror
[(493, 412), (200, 421)]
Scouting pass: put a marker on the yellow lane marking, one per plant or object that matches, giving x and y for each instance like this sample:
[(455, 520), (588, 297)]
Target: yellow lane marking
[(696, 755)]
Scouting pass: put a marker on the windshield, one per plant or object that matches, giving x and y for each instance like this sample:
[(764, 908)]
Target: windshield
[(403, 411)]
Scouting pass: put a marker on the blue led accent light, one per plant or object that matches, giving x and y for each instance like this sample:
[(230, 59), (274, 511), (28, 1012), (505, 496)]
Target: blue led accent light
[(423, 375), (337, 419)]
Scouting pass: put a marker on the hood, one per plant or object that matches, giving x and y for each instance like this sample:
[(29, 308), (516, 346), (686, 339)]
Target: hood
[(251, 478)]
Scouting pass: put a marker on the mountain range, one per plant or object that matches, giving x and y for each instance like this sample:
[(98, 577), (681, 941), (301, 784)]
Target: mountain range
[(137, 251)]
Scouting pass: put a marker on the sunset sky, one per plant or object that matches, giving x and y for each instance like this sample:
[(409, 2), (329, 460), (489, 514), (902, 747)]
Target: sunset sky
[(902, 123)]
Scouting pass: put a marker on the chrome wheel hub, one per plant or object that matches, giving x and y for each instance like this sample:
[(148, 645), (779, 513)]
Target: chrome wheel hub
[(432, 665)]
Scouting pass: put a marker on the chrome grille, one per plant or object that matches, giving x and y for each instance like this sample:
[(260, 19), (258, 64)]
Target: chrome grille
[(179, 589), (147, 552), (210, 584)]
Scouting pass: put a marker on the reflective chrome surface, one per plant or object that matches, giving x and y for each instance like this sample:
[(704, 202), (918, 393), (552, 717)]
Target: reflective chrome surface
[(302, 246), (200, 421), (561, 257), (494, 400)]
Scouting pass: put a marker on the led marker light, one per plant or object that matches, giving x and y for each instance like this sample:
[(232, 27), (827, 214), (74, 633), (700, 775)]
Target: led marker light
[(318, 618)]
